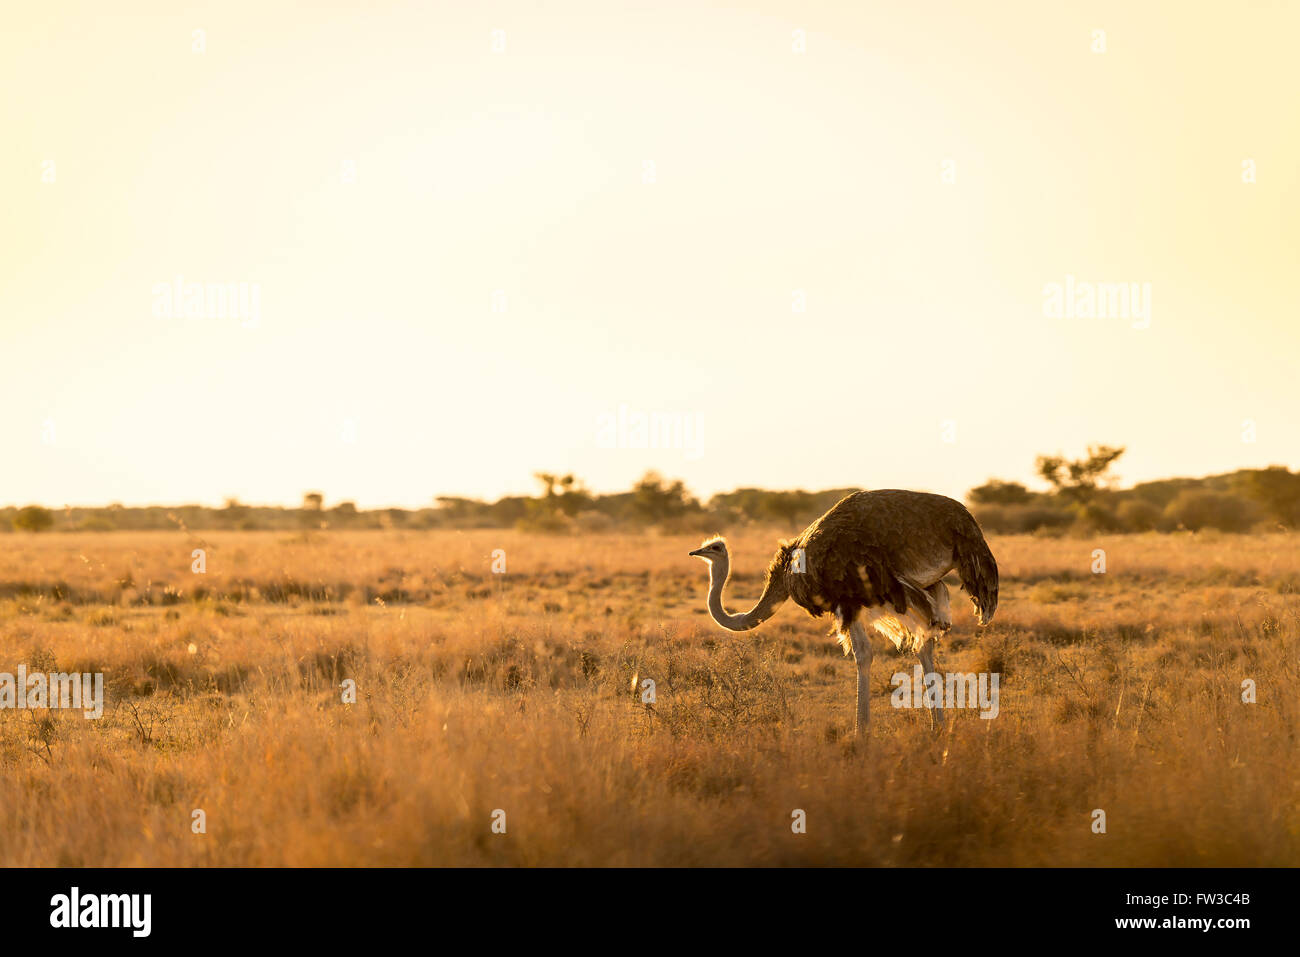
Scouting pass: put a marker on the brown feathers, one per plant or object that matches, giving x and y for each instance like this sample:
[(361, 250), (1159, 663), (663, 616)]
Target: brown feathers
[(884, 548)]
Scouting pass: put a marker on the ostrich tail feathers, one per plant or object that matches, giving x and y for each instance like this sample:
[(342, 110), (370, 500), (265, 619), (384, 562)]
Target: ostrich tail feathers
[(979, 575)]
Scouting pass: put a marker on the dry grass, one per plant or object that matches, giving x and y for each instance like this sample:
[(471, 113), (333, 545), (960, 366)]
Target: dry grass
[(479, 692)]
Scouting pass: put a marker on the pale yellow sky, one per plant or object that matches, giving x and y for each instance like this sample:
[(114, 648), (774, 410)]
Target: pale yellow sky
[(381, 178)]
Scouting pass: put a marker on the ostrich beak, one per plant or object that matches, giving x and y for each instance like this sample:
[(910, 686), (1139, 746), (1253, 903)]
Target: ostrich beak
[(698, 553)]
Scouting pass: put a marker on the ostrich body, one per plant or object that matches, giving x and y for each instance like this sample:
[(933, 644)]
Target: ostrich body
[(876, 558)]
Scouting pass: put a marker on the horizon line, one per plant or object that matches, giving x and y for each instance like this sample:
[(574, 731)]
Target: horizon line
[(432, 503)]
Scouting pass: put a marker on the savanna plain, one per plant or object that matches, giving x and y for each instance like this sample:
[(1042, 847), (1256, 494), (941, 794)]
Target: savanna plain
[(520, 691)]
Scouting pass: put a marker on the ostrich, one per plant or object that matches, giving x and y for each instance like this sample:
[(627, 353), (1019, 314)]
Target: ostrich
[(876, 558)]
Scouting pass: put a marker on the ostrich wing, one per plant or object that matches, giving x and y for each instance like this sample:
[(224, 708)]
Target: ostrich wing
[(847, 572)]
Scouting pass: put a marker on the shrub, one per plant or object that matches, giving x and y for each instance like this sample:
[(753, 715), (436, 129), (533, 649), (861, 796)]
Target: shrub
[(1137, 516), (554, 523), (1019, 519), (1098, 518), (33, 518), (998, 492), (1196, 510)]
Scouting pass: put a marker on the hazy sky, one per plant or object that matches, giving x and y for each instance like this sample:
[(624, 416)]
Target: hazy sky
[(468, 250)]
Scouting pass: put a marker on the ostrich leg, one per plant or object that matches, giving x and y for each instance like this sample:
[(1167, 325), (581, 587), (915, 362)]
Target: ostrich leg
[(862, 658), (926, 654)]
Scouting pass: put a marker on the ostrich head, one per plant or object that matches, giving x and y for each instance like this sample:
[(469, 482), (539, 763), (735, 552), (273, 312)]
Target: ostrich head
[(713, 550)]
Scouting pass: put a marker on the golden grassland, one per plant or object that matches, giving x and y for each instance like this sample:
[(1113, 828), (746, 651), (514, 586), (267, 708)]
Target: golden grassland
[(478, 692)]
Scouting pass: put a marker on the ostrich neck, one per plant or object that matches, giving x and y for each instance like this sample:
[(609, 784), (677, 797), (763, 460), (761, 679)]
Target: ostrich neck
[(774, 594)]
